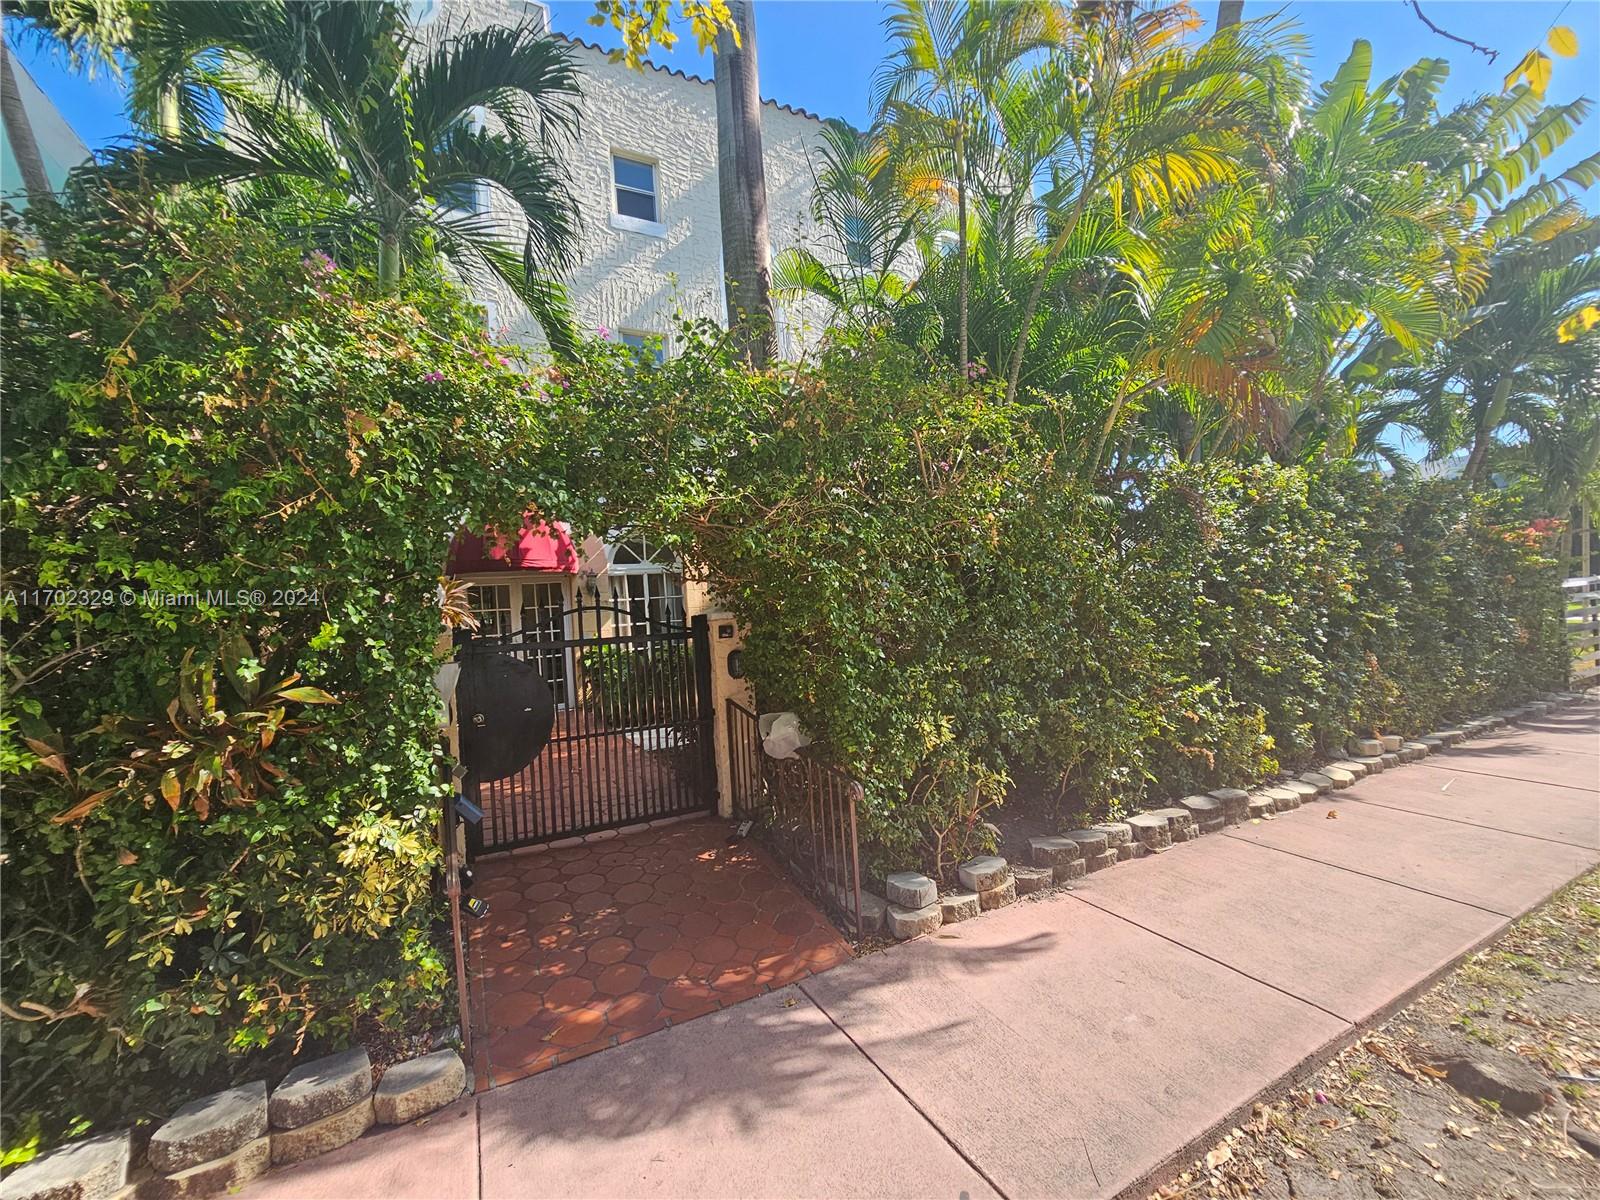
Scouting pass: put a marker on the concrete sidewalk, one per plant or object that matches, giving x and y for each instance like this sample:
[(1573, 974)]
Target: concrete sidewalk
[(1064, 1047)]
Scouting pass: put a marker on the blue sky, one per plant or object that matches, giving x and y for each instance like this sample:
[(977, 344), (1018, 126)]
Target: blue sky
[(821, 54)]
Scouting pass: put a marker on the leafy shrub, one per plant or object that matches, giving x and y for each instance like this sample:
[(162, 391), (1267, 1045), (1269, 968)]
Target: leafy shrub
[(636, 687), (221, 808), (959, 621)]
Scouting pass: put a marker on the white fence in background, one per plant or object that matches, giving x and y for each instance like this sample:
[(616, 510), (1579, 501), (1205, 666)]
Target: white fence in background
[(1583, 628)]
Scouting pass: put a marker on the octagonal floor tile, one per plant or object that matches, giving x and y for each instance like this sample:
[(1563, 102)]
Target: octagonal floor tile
[(588, 947)]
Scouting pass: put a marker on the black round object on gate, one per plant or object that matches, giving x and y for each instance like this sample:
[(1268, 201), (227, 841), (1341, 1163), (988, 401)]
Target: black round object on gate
[(505, 712)]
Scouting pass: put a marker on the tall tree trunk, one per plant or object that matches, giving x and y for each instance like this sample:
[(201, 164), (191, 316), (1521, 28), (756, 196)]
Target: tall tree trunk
[(1229, 13), (961, 249), (742, 192), (388, 258), (169, 119), (19, 130), (1483, 430)]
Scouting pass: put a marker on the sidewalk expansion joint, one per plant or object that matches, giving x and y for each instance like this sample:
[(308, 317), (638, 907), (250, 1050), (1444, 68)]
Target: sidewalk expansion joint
[(1571, 787), (1223, 963), (906, 1096), (1538, 837), (1410, 887)]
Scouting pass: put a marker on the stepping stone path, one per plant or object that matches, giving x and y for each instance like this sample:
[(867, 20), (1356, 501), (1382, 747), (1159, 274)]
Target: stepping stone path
[(93, 1169), (958, 906), (1373, 764), (318, 1089), (1412, 751), (1392, 742), (1356, 770), (210, 1128), (1366, 747), (419, 1086), (1262, 806)]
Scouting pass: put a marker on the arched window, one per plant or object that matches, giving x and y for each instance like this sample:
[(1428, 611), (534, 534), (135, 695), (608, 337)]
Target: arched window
[(646, 584)]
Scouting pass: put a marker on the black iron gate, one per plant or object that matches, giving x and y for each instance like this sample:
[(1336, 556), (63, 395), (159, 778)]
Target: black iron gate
[(632, 739)]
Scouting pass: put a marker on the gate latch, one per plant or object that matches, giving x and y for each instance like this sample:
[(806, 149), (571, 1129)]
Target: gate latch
[(478, 721)]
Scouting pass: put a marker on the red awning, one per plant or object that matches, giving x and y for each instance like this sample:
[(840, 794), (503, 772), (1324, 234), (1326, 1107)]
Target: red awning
[(541, 546)]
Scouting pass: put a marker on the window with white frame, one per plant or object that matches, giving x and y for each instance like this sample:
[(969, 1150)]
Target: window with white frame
[(543, 620), (635, 189), (646, 585), (467, 197), (491, 604), (652, 344)]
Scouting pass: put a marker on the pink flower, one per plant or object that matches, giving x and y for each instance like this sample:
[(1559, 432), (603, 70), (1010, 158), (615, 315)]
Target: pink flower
[(433, 377), (604, 332)]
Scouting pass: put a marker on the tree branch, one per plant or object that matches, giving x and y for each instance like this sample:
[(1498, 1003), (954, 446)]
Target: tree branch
[(1491, 55)]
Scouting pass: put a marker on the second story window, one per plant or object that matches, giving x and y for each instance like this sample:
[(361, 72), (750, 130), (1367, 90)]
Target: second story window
[(652, 344), (635, 189)]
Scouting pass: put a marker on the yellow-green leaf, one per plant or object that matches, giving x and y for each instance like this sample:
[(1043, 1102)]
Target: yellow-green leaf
[(307, 695), (171, 789), (1578, 324), (1564, 42)]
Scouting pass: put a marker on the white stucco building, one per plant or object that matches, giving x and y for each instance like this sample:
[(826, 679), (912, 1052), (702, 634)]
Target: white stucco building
[(644, 176)]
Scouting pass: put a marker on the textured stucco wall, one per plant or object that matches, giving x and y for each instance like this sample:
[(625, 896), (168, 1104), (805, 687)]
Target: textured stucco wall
[(639, 282)]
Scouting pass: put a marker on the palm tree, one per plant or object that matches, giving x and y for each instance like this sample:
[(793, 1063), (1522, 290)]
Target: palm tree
[(20, 135), (871, 225), (375, 133), (935, 91), (1514, 363), (1151, 123), (742, 188)]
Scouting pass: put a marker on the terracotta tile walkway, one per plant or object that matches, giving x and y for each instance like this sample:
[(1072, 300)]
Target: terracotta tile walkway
[(591, 946)]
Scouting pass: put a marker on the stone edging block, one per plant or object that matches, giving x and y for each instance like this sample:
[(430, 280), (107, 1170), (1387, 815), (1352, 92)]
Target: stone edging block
[(315, 1089), (319, 1137), (418, 1086), (210, 1128)]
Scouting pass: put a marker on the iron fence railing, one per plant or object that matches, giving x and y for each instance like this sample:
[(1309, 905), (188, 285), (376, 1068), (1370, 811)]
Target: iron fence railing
[(1583, 627), (804, 810)]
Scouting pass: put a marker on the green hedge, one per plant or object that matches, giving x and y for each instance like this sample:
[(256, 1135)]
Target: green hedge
[(195, 409), (962, 622)]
